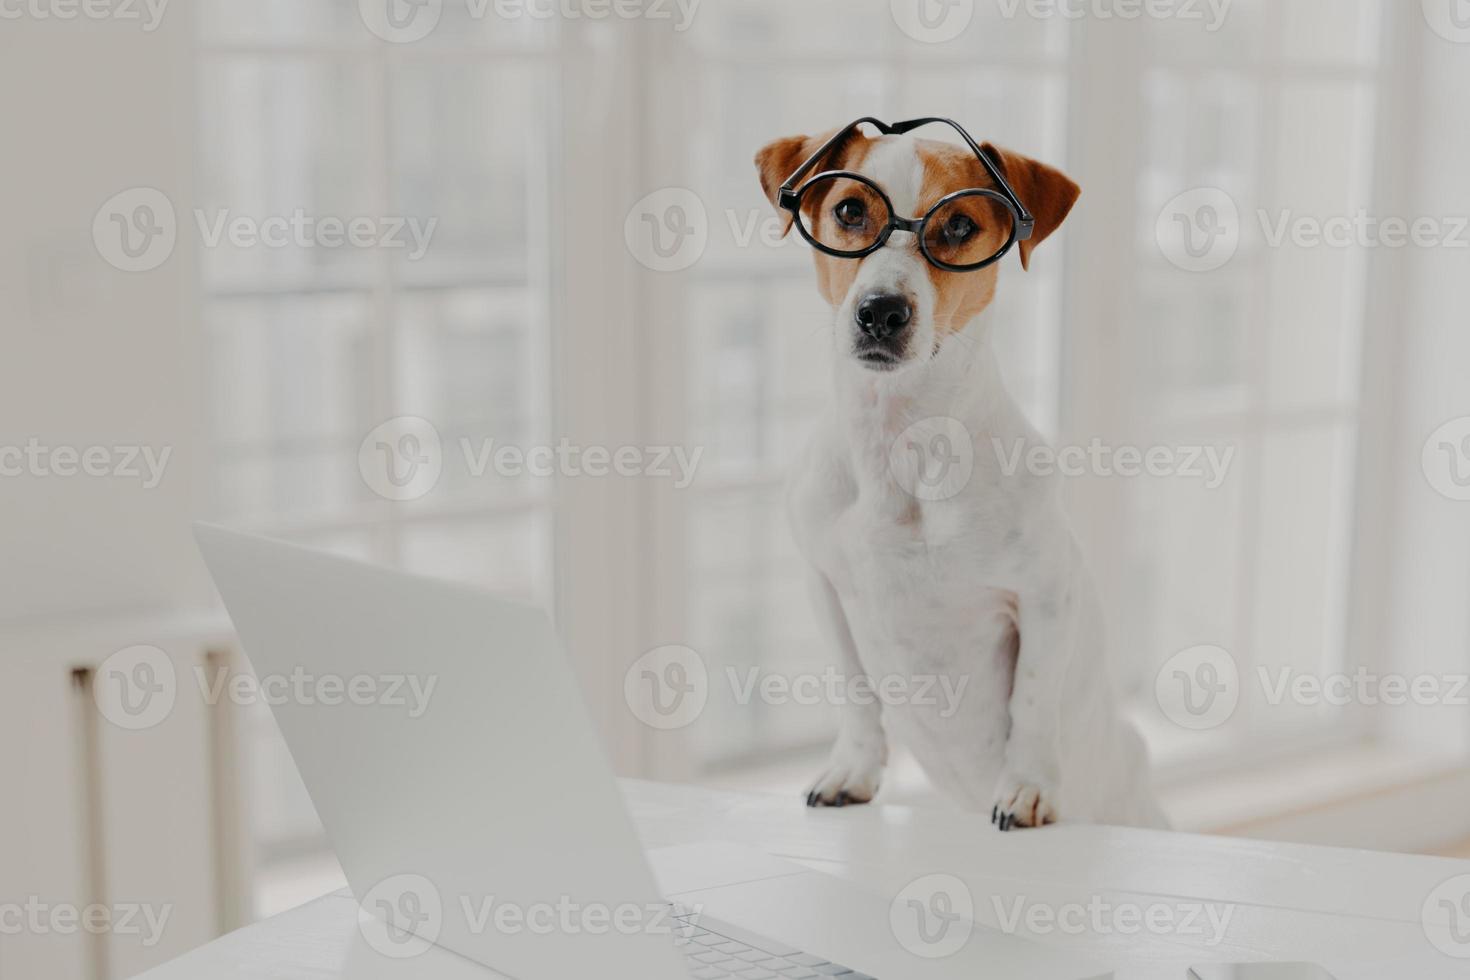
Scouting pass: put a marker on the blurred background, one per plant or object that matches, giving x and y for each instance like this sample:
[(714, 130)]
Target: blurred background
[(598, 268)]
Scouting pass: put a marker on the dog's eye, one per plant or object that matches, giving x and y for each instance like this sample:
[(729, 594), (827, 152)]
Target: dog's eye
[(959, 229), (850, 213)]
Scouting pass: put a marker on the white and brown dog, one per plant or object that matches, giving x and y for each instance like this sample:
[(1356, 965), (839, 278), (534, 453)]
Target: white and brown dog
[(984, 585)]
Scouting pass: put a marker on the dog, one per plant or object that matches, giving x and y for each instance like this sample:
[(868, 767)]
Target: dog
[(984, 586)]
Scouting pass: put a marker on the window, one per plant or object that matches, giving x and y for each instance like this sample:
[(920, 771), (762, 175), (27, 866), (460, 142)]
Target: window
[(528, 319), (311, 347), (1260, 356)]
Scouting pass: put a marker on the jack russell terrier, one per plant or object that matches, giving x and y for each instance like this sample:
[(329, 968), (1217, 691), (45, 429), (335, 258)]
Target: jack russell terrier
[(928, 557)]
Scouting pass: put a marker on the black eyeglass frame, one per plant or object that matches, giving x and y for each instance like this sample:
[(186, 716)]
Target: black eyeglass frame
[(789, 197)]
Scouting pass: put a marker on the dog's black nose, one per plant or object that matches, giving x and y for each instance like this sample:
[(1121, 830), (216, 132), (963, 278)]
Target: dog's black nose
[(881, 315)]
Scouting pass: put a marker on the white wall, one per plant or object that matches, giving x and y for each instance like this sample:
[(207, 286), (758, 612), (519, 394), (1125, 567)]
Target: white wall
[(96, 357)]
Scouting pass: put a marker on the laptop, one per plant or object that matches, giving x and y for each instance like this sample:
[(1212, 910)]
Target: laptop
[(440, 733)]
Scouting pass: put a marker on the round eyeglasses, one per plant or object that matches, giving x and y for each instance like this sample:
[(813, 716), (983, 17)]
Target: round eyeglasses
[(847, 215)]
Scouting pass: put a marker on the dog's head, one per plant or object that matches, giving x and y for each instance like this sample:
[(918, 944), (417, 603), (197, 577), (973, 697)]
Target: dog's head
[(895, 309)]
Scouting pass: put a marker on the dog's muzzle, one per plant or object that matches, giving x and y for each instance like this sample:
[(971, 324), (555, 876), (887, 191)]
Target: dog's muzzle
[(882, 321)]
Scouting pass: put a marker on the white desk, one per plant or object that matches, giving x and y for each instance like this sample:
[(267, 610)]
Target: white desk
[(1358, 913)]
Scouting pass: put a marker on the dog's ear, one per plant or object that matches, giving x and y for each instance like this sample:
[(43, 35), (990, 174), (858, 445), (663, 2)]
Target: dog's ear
[(777, 160), (1047, 193)]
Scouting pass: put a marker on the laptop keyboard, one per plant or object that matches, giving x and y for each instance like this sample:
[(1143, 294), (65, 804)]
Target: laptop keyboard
[(715, 950)]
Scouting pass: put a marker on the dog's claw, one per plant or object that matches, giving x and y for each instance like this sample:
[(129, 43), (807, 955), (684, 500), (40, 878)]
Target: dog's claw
[(848, 782), (1022, 804), (841, 798)]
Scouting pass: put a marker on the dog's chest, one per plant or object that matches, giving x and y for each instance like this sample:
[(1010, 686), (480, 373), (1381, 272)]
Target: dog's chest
[(911, 575)]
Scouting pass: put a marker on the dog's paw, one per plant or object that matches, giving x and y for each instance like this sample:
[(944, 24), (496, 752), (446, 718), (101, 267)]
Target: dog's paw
[(1019, 803), (850, 778)]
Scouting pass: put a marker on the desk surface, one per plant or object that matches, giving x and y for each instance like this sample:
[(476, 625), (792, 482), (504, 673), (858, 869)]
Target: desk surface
[(1361, 914)]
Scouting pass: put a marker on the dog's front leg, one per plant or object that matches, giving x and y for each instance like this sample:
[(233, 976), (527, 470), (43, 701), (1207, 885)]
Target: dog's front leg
[(1046, 620), (856, 764)]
